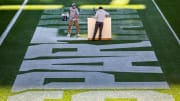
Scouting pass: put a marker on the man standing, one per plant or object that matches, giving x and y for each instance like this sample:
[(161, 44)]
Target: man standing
[(100, 15), (73, 19)]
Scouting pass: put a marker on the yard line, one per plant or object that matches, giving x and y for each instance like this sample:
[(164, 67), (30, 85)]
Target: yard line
[(172, 30), (13, 21), (30, 7)]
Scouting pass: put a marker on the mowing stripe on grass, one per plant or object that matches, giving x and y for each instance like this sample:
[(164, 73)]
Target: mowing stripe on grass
[(13, 21), (172, 30)]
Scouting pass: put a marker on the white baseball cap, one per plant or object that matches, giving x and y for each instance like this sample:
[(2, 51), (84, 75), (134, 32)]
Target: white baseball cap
[(73, 4)]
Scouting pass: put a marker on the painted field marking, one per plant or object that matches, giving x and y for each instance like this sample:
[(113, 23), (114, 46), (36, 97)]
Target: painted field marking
[(172, 30), (11, 24), (30, 7)]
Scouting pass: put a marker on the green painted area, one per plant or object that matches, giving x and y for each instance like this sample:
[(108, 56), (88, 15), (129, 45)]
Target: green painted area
[(55, 50), (49, 80), (130, 49), (85, 64), (135, 77), (151, 63)]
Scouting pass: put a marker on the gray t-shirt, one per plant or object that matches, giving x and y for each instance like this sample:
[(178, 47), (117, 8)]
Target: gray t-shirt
[(73, 13), (100, 15)]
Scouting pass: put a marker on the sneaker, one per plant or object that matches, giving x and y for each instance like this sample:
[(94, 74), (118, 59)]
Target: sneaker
[(78, 35), (68, 35)]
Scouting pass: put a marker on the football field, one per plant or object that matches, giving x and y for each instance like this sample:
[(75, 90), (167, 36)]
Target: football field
[(38, 62)]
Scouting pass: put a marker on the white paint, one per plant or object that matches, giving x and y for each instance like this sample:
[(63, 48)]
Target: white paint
[(138, 95), (110, 64), (36, 80), (13, 21), (50, 35), (93, 80), (41, 50), (116, 61), (172, 30), (36, 96)]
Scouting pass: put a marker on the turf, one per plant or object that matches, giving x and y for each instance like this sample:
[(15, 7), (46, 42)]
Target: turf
[(163, 43), (171, 9), (6, 17), (166, 48), (11, 2), (13, 49)]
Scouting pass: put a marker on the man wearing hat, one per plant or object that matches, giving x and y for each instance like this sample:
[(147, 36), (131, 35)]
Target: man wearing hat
[(73, 19)]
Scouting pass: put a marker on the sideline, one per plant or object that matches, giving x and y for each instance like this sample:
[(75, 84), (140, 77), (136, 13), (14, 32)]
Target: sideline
[(11, 24), (174, 33)]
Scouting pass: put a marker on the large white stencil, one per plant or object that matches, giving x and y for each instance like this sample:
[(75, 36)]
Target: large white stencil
[(49, 35), (117, 61), (92, 80), (93, 96), (36, 96), (115, 64), (42, 50), (139, 95)]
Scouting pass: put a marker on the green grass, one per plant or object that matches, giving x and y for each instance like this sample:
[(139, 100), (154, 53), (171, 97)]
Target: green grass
[(69, 2), (13, 49), (166, 48), (163, 42), (5, 17), (171, 9), (6, 2)]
